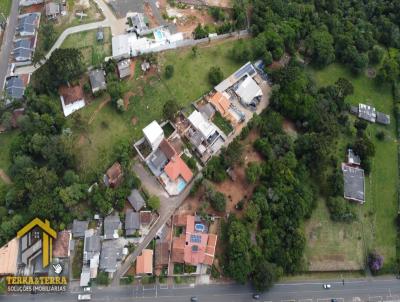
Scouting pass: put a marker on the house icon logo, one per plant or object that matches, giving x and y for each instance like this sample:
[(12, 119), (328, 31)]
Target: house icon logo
[(37, 238)]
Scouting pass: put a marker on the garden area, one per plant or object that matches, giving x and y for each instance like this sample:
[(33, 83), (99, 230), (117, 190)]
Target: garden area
[(147, 95), (375, 225), (93, 51)]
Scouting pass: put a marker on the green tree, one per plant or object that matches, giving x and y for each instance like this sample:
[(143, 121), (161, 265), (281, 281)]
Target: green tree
[(319, 46), (6, 120), (169, 71), (265, 274), (253, 172), (215, 75), (170, 109), (49, 35), (376, 54), (200, 32), (153, 203)]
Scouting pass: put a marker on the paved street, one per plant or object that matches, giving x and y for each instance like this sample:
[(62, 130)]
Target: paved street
[(168, 206), (375, 290), (7, 43)]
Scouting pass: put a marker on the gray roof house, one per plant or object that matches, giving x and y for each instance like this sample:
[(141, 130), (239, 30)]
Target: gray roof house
[(97, 80), (52, 9), (136, 200), (132, 223), (15, 87), (138, 23), (354, 186), (110, 255), (157, 162), (91, 256), (78, 228), (382, 118), (112, 224), (27, 24), (23, 49), (124, 68), (208, 110)]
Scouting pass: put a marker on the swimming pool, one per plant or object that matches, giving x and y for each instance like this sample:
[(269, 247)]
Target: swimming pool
[(159, 35), (181, 184), (199, 227)]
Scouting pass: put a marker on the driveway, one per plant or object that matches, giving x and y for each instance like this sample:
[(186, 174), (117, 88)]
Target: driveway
[(168, 205), (7, 43)]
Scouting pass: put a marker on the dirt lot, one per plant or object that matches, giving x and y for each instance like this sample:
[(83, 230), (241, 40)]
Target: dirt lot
[(220, 3), (186, 19), (149, 13)]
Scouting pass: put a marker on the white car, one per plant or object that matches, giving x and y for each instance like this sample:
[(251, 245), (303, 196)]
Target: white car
[(87, 289), (326, 286), (85, 297)]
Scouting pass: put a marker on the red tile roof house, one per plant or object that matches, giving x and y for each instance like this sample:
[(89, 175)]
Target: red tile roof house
[(193, 247), (176, 173), (71, 98), (113, 176)]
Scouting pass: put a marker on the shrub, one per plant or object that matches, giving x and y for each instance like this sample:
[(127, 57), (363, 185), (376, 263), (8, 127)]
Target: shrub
[(215, 75), (153, 203), (375, 262), (169, 71), (340, 210), (380, 135)]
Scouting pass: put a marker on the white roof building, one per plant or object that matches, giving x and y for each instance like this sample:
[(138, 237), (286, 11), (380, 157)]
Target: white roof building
[(248, 90), (201, 123), (154, 134)]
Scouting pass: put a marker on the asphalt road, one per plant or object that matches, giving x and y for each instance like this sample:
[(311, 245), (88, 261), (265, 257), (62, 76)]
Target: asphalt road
[(7, 43), (375, 290)]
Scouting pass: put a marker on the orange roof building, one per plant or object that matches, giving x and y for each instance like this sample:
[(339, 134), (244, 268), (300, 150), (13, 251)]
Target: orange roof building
[(177, 167), (193, 247), (8, 258), (114, 175), (221, 103), (144, 263)]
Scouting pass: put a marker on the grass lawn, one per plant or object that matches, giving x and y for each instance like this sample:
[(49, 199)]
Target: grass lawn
[(93, 52), (147, 97), (5, 6), (379, 211)]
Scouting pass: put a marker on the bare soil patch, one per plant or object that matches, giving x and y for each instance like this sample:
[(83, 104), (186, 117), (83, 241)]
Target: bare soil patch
[(4, 177), (289, 127), (220, 3), (370, 73), (134, 121), (127, 96)]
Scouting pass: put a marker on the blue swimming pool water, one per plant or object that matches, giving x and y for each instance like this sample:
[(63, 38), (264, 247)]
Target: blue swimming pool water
[(181, 184), (158, 34), (199, 227)]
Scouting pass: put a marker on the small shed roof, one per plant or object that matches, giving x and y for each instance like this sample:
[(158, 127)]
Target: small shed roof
[(353, 158), (145, 217), (97, 79), (124, 68), (52, 8), (136, 200), (132, 222), (382, 118), (367, 112), (79, 227)]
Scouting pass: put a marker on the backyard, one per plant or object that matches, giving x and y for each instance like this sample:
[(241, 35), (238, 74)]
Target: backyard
[(93, 51), (147, 95), (5, 145), (376, 217)]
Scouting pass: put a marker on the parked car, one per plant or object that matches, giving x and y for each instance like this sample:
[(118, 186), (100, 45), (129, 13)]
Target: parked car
[(84, 297), (194, 299), (326, 286), (333, 300), (87, 289), (256, 296)]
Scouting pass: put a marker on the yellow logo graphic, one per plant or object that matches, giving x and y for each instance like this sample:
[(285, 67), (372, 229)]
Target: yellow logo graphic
[(30, 235)]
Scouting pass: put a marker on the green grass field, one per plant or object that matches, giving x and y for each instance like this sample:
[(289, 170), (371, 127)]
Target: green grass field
[(5, 144), (148, 96), (93, 52), (378, 213), (5, 6)]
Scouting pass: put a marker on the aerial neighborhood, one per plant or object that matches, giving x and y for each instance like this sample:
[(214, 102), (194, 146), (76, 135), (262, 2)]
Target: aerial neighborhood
[(199, 149)]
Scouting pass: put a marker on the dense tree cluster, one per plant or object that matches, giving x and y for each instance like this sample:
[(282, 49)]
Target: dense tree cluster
[(351, 32)]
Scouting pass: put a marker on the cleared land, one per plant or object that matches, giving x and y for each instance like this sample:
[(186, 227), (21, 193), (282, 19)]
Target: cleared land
[(5, 6), (376, 216), (93, 52), (148, 94)]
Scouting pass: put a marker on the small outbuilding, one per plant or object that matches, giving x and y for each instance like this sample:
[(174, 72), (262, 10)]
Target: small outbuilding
[(124, 68), (97, 80)]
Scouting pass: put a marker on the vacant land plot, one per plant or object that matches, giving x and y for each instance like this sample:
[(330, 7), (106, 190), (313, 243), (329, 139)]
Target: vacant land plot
[(377, 215), (5, 6), (150, 93), (93, 52)]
